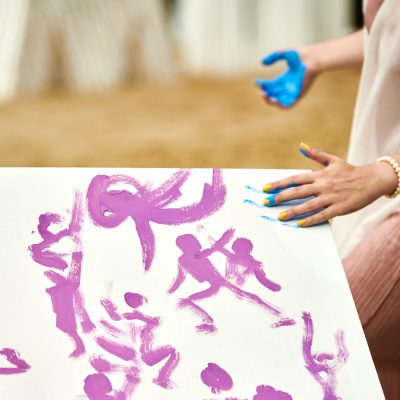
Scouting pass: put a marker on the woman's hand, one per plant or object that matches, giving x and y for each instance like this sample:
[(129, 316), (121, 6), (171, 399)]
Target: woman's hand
[(285, 90), (338, 189)]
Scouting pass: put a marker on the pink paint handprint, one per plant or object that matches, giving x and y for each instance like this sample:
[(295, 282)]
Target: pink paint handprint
[(323, 366), (66, 295), (110, 207)]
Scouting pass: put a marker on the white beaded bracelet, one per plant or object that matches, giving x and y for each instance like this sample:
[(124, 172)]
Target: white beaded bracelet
[(393, 163)]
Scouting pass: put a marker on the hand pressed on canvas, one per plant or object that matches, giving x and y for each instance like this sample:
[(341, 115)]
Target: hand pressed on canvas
[(339, 188)]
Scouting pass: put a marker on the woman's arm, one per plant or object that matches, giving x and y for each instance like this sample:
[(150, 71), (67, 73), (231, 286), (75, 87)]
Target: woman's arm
[(343, 52), (305, 64)]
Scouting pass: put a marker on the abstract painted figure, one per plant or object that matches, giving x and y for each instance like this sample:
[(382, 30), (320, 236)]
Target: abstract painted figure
[(152, 355), (323, 366), (118, 347), (66, 296), (240, 264), (19, 366), (194, 261), (110, 207)]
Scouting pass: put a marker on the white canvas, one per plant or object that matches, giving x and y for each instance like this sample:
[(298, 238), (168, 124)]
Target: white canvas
[(244, 343)]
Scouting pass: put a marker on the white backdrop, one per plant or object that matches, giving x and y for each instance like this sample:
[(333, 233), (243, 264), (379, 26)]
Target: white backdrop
[(231, 36)]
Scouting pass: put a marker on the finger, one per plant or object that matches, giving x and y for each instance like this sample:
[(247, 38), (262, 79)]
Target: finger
[(286, 100), (293, 59), (280, 190), (314, 205), (273, 57), (272, 101), (269, 85), (277, 90), (299, 192), (320, 157), (323, 216), (299, 179)]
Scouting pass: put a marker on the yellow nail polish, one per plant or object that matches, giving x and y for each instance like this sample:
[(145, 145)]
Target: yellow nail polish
[(266, 202), (305, 146), (267, 188), (301, 222), (283, 215)]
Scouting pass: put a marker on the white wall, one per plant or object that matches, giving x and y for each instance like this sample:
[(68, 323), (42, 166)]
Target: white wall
[(230, 36)]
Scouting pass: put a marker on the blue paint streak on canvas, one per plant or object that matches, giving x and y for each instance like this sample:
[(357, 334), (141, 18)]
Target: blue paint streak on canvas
[(253, 189), (270, 219), (253, 203)]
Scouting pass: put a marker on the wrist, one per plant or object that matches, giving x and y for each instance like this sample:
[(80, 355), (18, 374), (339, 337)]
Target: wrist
[(313, 58), (387, 178)]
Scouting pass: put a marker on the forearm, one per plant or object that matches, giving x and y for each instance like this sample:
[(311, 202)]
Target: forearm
[(346, 51)]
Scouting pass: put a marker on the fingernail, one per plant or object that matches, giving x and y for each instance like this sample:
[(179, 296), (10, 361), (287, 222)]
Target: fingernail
[(283, 215), (303, 147), (267, 188), (266, 202), (301, 222)]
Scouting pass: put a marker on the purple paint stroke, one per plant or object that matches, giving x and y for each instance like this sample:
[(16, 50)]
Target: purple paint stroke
[(19, 365), (109, 208), (323, 366), (284, 322), (265, 392), (66, 296), (117, 349), (152, 356), (149, 354), (100, 364), (241, 264), (110, 328), (216, 378), (98, 387), (194, 261)]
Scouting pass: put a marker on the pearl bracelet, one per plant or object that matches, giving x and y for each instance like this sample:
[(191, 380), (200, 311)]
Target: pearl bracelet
[(393, 163)]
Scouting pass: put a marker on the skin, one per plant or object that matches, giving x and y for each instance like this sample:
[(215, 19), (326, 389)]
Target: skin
[(339, 188), (344, 52)]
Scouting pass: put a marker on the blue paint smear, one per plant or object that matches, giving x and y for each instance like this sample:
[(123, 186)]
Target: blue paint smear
[(253, 203), (304, 153), (270, 219)]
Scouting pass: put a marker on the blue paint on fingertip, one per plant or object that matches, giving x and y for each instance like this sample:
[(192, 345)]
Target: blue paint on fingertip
[(302, 151), (271, 200)]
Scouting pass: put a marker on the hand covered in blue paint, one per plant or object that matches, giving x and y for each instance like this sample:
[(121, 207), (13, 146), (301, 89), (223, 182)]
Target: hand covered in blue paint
[(339, 188), (286, 89)]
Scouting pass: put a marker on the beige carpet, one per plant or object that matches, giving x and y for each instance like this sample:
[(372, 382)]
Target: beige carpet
[(197, 123)]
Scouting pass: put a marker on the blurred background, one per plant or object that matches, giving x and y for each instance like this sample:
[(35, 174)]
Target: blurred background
[(157, 83)]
